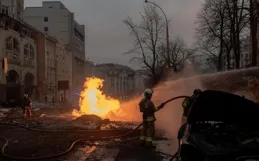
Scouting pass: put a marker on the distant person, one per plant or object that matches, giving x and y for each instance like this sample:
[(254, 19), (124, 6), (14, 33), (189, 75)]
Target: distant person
[(26, 106), (187, 104), (148, 109)]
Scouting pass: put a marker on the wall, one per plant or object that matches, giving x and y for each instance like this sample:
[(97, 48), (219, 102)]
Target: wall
[(50, 67), (14, 7), (22, 69), (119, 81), (41, 61), (58, 22), (64, 69), (89, 69), (139, 82)]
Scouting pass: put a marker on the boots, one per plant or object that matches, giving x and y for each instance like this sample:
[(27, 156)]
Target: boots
[(142, 143), (149, 144)]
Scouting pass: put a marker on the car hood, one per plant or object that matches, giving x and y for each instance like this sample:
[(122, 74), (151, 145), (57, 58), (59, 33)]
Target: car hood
[(224, 107)]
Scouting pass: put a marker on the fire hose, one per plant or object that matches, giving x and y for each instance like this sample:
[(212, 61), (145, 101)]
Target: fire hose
[(72, 145)]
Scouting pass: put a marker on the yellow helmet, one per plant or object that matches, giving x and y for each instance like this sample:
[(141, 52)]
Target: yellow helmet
[(148, 91)]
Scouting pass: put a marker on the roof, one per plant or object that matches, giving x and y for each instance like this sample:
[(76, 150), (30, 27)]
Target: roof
[(110, 66), (51, 38)]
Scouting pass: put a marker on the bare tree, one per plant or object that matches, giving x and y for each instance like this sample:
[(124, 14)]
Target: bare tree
[(148, 37), (238, 21), (212, 30), (178, 54), (222, 26)]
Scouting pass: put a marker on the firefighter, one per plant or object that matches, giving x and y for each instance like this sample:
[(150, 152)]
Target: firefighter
[(148, 109), (26, 106), (187, 104)]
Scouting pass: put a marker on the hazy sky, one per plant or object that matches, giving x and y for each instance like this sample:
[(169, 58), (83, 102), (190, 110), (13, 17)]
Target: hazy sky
[(106, 35)]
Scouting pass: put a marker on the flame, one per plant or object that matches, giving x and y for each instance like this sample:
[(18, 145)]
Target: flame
[(93, 101)]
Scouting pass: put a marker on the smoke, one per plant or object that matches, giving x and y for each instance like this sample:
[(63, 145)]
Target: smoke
[(169, 118)]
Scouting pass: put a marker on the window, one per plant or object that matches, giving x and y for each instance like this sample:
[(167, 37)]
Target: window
[(46, 29), (18, 8), (29, 50), (26, 49), (46, 19), (12, 44), (5, 9)]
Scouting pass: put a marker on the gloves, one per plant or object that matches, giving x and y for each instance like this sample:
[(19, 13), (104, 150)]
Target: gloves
[(162, 105)]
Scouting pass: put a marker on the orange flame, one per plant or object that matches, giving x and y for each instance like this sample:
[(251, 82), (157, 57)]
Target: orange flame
[(93, 101)]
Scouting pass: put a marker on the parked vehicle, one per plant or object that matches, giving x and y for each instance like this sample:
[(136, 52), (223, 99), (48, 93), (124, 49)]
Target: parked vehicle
[(220, 127)]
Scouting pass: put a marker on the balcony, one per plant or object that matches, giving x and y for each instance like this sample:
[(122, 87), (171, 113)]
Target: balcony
[(13, 57), (28, 62), (9, 23)]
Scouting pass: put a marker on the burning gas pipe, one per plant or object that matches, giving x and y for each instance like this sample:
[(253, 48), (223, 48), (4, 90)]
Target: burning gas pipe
[(73, 144)]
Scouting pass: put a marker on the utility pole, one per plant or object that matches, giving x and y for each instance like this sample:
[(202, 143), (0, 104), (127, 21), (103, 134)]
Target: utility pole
[(167, 36)]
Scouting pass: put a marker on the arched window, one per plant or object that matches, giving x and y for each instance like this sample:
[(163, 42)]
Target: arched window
[(32, 54), (29, 50), (26, 49), (12, 44), (29, 55)]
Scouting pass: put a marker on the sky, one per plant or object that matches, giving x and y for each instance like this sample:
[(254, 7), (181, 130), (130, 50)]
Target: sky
[(107, 37)]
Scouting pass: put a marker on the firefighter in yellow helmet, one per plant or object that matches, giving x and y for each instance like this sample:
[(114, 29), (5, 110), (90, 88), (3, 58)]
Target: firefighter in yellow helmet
[(148, 109), (187, 104)]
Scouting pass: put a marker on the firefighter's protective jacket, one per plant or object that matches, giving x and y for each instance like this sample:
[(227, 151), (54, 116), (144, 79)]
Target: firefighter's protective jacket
[(26, 102), (148, 109), (187, 102)]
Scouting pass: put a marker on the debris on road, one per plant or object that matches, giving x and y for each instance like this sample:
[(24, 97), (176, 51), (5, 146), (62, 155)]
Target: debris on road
[(35, 109), (4, 110), (2, 115)]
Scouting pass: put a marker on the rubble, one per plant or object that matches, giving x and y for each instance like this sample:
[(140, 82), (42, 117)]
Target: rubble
[(121, 125), (35, 109), (42, 115), (2, 115), (85, 118), (3, 110)]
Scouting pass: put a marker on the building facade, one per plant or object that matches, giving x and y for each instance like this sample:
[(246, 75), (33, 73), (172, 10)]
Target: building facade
[(119, 81), (54, 69), (12, 8), (89, 68), (54, 19), (64, 72), (50, 67), (140, 79), (18, 45), (245, 55)]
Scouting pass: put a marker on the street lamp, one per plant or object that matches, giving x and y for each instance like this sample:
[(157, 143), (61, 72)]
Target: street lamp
[(167, 34)]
